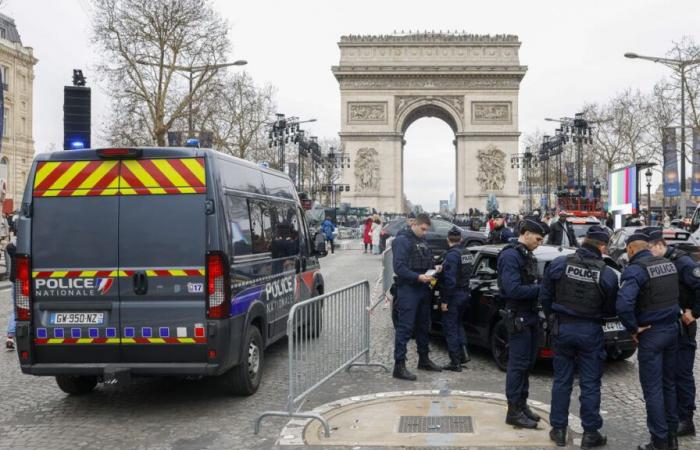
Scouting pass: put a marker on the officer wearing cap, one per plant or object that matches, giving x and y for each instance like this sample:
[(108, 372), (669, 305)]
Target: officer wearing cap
[(689, 299), (500, 234), (578, 290), (647, 305), (517, 276), (412, 259), (454, 297)]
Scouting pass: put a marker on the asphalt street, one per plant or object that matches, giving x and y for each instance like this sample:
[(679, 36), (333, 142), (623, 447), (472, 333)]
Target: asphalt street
[(160, 413)]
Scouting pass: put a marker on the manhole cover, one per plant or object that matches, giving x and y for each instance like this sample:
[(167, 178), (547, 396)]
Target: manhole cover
[(436, 424)]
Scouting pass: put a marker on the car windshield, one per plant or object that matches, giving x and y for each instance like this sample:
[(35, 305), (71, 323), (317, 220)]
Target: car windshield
[(580, 229)]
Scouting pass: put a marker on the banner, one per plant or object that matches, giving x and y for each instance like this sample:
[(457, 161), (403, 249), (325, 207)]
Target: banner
[(696, 162), (671, 183), (570, 175), (622, 190)]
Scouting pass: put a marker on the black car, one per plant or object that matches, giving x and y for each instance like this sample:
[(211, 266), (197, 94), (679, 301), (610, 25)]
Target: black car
[(436, 237), (483, 323), (679, 238)]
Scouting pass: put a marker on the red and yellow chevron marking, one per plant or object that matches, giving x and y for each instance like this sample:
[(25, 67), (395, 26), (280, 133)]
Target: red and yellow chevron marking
[(83, 341), (162, 176), (76, 178), (129, 177), (179, 272)]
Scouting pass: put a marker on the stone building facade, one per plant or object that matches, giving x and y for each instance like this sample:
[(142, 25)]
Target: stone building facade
[(17, 66)]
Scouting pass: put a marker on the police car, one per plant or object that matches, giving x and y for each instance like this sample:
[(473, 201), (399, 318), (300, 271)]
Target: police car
[(484, 326), (157, 261), (679, 238)]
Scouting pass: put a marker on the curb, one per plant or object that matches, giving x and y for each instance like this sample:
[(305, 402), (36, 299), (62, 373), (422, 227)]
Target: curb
[(293, 433)]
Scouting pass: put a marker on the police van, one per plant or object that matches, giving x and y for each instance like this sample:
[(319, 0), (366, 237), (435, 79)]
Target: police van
[(157, 261)]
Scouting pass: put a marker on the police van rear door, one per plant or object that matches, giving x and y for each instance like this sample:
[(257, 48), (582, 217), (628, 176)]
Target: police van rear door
[(74, 260), (162, 252)]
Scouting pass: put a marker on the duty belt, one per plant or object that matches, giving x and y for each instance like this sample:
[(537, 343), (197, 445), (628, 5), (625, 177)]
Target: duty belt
[(567, 318)]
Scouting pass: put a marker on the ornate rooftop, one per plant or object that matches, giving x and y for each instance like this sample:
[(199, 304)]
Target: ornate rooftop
[(430, 36)]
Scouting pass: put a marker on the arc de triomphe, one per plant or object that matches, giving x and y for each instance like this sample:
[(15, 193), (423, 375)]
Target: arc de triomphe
[(469, 81)]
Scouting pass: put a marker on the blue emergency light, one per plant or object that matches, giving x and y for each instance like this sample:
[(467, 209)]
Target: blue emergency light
[(77, 145), (192, 142)]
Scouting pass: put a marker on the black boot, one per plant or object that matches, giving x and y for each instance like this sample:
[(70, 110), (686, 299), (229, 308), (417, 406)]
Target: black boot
[(425, 363), (453, 365), (686, 428), (401, 372), (518, 419), (530, 413), (558, 436), (672, 441), (592, 439), (655, 444), (464, 357)]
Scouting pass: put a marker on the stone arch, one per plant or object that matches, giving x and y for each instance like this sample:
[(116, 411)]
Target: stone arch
[(428, 107)]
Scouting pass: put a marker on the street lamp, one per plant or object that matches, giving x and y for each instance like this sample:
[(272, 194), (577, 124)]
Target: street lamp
[(679, 65), (647, 174)]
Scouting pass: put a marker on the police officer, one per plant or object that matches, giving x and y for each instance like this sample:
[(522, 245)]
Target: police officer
[(517, 275), (412, 259), (578, 290), (500, 234), (454, 298), (689, 299), (647, 304)]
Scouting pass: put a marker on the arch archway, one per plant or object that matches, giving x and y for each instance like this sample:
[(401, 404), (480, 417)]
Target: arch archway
[(388, 82)]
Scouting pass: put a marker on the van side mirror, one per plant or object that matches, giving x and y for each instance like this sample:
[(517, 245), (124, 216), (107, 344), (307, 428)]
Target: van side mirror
[(319, 245)]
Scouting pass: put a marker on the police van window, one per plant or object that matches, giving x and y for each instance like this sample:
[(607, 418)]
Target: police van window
[(285, 230), (260, 229), (239, 223)]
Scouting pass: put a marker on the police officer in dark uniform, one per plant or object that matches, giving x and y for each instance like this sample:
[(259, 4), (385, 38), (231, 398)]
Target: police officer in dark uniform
[(517, 276), (578, 290), (411, 260), (454, 298), (500, 234), (647, 304), (689, 299)]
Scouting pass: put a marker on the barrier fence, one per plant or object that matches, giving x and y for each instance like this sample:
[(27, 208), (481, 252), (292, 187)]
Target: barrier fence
[(326, 334)]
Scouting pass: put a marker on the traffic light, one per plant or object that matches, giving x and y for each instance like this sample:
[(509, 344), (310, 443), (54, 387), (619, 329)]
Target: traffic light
[(76, 117)]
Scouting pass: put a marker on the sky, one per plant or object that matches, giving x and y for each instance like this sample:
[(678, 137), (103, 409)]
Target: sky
[(573, 56)]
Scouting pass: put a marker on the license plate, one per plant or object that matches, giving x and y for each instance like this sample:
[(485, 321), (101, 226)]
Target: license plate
[(613, 326), (77, 318)]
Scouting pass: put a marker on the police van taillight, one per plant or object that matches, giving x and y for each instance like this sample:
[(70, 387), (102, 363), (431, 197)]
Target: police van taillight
[(218, 304), (23, 304)]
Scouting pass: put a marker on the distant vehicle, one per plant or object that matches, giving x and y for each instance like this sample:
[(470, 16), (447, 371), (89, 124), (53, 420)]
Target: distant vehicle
[(677, 237), (436, 237), (484, 325)]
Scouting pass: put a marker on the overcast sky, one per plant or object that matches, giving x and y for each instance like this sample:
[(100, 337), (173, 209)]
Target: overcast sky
[(574, 55)]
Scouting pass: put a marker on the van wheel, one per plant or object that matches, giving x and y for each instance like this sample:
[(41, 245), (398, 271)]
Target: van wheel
[(499, 345), (76, 385), (244, 379)]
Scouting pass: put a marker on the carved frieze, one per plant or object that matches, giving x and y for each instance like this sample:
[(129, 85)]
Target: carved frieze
[(367, 112), (429, 82), (367, 170), (403, 101), (492, 174), (491, 113)]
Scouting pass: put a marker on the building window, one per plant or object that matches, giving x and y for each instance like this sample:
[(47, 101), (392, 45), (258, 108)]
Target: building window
[(3, 33), (5, 77), (24, 126), (5, 122)]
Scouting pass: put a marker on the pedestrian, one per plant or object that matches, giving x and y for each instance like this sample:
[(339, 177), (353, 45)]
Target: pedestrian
[(500, 234), (366, 234), (328, 229), (376, 230), (415, 269), (577, 291), (11, 324), (454, 298), (561, 232), (689, 299), (517, 276), (647, 305)]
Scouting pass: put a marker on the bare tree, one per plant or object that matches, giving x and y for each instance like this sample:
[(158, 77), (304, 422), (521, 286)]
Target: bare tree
[(146, 43)]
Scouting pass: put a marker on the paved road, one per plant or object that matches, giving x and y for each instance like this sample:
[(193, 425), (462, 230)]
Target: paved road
[(192, 414)]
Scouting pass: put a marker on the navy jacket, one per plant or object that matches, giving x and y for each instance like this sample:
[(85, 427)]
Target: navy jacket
[(511, 263), (506, 236), (608, 284), (689, 274), (401, 249), (449, 291), (633, 278)]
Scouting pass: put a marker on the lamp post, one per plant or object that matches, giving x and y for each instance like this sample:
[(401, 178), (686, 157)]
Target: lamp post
[(282, 130), (647, 174), (680, 65), (525, 161)]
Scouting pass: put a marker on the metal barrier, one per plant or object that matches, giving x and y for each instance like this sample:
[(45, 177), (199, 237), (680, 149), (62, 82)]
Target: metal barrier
[(326, 335)]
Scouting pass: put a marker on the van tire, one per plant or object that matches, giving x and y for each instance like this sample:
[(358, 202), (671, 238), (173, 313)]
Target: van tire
[(244, 379), (75, 385)]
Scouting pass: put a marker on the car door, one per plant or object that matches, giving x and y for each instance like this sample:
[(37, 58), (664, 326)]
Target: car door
[(484, 297)]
